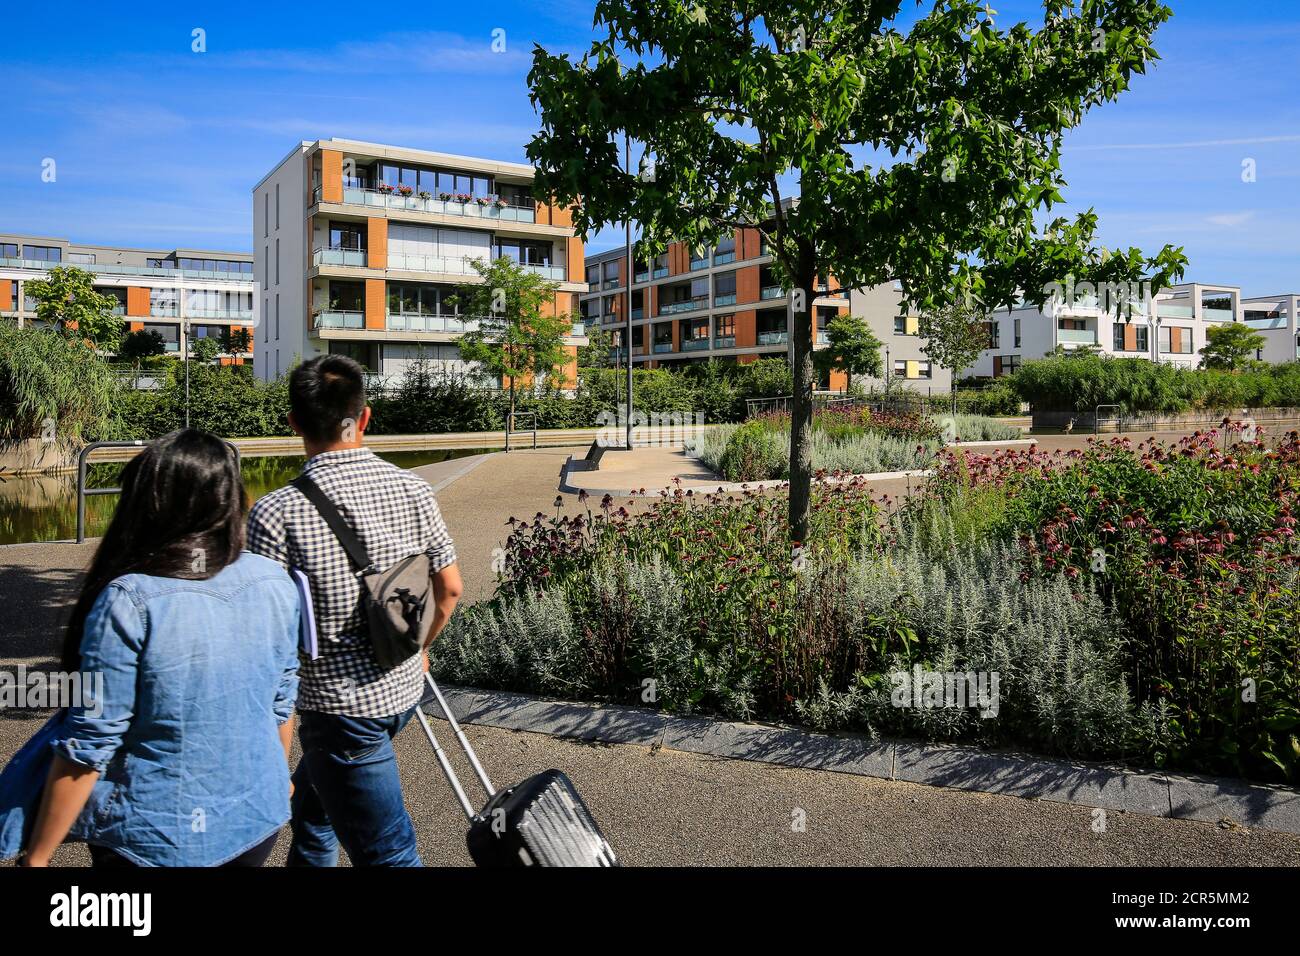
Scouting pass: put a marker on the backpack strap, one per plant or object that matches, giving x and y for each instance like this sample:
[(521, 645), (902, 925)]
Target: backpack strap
[(357, 552)]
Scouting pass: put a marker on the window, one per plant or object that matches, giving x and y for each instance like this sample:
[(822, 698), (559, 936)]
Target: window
[(611, 273), (900, 325), (725, 250), (724, 288), (266, 214), (525, 252), (726, 326), (161, 263), (347, 235), (43, 253), (699, 259), (277, 205), (994, 334), (1010, 364), (277, 261), (1140, 341), (277, 316), (8, 250), (900, 367), (1016, 334), (83, 258), (363, 353), (593, 275), (923, 370)]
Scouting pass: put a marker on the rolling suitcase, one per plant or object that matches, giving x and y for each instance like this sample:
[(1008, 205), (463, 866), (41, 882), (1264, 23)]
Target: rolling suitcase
[(540, 822)]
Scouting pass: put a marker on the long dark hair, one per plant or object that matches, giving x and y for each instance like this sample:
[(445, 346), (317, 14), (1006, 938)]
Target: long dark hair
[(181, 515)]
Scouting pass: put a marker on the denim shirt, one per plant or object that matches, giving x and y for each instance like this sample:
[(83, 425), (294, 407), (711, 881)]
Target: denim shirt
[(197, 676)]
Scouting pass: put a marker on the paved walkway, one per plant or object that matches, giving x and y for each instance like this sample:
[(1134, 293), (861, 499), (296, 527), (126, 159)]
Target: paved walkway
[(662, 806)]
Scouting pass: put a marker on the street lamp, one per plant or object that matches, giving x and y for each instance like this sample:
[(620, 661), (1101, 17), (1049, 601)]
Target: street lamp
[(627, 287), (185, 348), (888, 367)]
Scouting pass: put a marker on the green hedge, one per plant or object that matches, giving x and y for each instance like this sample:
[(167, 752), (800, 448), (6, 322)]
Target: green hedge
[(1082, 382)]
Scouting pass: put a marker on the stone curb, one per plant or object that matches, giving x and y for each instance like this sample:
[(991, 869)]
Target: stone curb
[(1204, 799)]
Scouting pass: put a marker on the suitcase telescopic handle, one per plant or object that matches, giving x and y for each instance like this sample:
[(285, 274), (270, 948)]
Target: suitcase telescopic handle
[(441, 755)]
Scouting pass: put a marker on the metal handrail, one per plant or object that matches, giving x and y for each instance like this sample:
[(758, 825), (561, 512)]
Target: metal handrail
[(83, 492), (1118, 420), (510, 422)]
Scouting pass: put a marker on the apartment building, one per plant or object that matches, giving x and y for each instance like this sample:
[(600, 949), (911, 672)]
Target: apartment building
[(725, 304), (182, 294), (1172, 327), (360, 247)]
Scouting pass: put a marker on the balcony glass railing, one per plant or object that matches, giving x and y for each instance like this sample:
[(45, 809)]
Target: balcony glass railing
[(722, 258), (340, 320), (724, 342), (129, 270), (690, 305), (660, 273), (637, 313), (694, 345), (1276, 322), (339, 256), (417, 322), (473, 209), (448, 265), (728, 298), (823, 338), (663, 347), (246, 314), (162, 310), (611, 284), (698, 264), (771, 292), (119, 310), (773, 338), (642, 277), (1164, 310), (1077, 336), (1217, 315)]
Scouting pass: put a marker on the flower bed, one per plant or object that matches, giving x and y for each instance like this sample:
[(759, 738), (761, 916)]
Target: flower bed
[(1135, 604), (855, 441)]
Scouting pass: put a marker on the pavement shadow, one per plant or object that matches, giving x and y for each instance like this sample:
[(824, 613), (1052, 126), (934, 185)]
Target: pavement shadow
[(35, 602)]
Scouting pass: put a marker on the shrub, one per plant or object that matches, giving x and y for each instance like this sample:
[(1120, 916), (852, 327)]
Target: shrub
[(753, 452), (45, 377)]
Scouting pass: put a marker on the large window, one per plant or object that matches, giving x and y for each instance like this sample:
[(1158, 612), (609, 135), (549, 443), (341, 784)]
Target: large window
[(410, 298), (435, 182), (525, 251), (43, 253), (216, 265), (347, 235), (1140, 341), (365, 354), (8, 250), (347, 297)]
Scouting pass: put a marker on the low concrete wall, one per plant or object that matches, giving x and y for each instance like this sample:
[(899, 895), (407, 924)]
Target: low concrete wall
[(33, 456), (1085, 421)]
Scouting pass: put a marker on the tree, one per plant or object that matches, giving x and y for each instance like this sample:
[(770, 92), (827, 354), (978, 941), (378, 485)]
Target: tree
[(924, 149), (515, 339), (141, 344), (851, 347), (204, 350), (235, 341), (955, 334), (596, 353), (1231, 346), (67, 300)]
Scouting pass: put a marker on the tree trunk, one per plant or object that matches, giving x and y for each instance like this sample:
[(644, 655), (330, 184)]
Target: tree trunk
[(801, 413)]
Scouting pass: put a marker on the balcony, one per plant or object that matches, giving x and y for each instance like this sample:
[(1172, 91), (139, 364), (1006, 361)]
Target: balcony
[(1273, 322), (661, 347), (773, 338), (339, 256), (771, 292), (233, 314), (638, 313), (340, 320), (447, 265), (642, 277), (1217, 315), (823, 338), (722, 258), (1076, 336), (484, 208), (724, 342), (689, 305), (163, 310), (726, 299), (694, 345), (44, 265), (698, 264), (1167, 311), (659, 273), (417, 322)]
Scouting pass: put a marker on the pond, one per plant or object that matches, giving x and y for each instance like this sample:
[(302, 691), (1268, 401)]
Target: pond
[(45, 508)]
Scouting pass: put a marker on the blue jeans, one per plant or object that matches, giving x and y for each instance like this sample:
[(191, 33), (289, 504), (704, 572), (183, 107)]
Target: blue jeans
[(347, 790)]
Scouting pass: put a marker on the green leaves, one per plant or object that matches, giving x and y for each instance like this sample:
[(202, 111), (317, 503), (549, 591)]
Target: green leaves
[(66, 298)]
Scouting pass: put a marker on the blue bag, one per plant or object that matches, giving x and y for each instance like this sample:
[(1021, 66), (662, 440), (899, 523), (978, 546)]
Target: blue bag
[(22, 782)]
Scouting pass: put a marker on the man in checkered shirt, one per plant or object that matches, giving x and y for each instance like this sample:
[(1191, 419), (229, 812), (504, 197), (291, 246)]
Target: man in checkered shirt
[(346, 787)]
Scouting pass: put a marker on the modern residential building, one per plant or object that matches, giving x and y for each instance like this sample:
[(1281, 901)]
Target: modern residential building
[(174, 292), (360, 247), (725, 304), (1172, 328)]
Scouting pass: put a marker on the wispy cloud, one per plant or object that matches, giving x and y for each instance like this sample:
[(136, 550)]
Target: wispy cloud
[(429, 52), (1187, 144)]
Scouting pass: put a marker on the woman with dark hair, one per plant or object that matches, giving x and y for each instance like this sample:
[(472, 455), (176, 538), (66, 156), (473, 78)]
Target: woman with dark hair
[(183, 761)]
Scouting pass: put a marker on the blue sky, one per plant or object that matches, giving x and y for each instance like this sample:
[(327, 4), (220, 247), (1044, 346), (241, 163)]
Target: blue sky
[(156, 145)]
